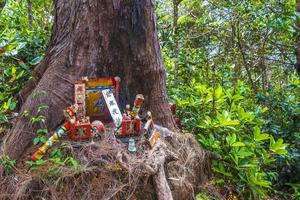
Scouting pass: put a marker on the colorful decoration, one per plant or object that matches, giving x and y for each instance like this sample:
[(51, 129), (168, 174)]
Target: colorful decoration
[(52, 140), (139, 99), (153, 138), (112, 107), (70, 115), (79, 97), (88, 98), (148, 127), (81, 130), (130, 127), (131, 123), (96, 108), (96, 98), (149, 131)]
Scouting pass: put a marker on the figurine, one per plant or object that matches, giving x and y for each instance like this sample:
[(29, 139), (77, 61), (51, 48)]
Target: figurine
[(148, 127), (126, 114), (131, 145), (149, 131)]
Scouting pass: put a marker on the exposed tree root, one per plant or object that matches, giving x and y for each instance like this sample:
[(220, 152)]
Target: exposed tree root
[(174, 169)]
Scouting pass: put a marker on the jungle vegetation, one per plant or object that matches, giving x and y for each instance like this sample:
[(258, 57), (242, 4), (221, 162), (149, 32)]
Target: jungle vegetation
[(232, 70)]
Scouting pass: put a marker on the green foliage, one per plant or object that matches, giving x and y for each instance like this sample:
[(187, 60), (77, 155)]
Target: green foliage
[(226, 41), (283, 117), (296, 188), (36, 165), (21, 47), (224, 123), (55, 163), (231, 75), (38, 120), (203, 196), (7, 163)]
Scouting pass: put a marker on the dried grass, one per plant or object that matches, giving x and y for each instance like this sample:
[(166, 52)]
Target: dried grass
[(109, 171)]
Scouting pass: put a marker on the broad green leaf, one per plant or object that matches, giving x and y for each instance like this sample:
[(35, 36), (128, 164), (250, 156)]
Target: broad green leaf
[(231, 139), (248, 166), (218, 92), (230, 123), (281, 151), (36, 140), (234, 158), (20, 74), (13, 71), (43, 139), (3, 118), (244, 152), (11, 46), (35, 168), (11, 103), (57, 161), (220, 169), (278, 146), (5, 106), (40, 162), (258, 136), (238, 144), (42, 131), (237, 97), (42, 107)]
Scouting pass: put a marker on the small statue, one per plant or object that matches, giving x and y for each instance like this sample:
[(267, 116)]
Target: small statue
[(131, 145)]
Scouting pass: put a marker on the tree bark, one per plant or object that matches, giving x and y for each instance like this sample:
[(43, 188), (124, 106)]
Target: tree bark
[(159, 157), (94, 38)]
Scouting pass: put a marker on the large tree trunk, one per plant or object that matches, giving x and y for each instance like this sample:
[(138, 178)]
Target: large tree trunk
[(94, 38)]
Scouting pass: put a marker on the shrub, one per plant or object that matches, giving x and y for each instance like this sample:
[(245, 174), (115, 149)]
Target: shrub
[(229, 123)]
